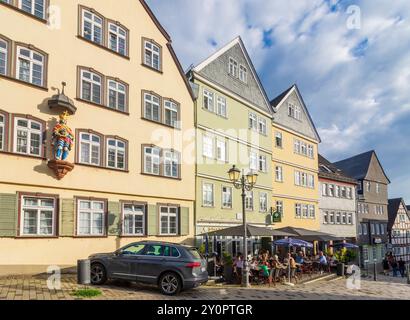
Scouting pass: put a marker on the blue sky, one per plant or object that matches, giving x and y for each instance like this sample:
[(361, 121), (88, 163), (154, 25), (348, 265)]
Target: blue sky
[(354, 77)]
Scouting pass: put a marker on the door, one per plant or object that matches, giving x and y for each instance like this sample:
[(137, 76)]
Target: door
[(151, 263), (124, 264)]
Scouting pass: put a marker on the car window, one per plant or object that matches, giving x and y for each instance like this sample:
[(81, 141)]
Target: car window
[(174, 252), (154, 250), (171, 252), (133, 249), (194, 252)]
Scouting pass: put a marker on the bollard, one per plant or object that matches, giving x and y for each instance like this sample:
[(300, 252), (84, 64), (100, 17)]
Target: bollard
[(83, 272), (375, 271)]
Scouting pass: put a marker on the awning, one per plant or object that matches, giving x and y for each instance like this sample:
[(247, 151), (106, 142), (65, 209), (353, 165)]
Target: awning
[(252, 231), (310, 235)]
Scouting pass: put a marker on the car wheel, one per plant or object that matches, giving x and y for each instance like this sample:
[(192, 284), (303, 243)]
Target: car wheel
[(170, 284), (98, 274)]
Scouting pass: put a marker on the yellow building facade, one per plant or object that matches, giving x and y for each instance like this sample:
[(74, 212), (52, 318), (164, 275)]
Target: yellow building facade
[(295, 163), (134, 149)]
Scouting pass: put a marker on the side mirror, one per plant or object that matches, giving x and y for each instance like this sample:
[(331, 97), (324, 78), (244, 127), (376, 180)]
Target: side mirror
[(118, 252)]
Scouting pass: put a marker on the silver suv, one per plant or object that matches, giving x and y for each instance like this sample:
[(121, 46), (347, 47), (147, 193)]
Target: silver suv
[(171, 266)]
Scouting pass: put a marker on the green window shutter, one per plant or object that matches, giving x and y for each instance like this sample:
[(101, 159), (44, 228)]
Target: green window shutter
[(184, 221), (114, 218), (8, 215), (67, 218), (152, 220)]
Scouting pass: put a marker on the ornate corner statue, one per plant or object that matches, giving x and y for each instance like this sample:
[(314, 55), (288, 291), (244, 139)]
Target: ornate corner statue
[(63, 141)]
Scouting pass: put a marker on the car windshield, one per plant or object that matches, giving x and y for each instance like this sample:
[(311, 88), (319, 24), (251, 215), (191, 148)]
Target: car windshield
[(195, 253), (133, 249)]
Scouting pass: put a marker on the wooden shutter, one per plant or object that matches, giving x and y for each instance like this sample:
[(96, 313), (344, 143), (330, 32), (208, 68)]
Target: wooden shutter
[(153, 228), (114, 218), (184, 221), (8, 215), (67, 218)]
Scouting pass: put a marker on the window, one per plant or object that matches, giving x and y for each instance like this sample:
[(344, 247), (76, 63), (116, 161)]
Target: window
[(296, 146), (2, 131), (208, 100), (28, 137), (262, 164), (116, 95), (3, 57), (278, 140), (349, 194), (338, 218), (311, 181), (169, 220), (372, 229), (303, 178), (152, 107), (171, 113), (312, 211), (360, 231), (325, 217), (382, 227), (34, 7), (294, 111), (349, 218), (262, 126), (221, 150), (297, 178), (226, 197), (377, 228), (152, 160), (303, 148), (337, 191), (134, 219), (171, 164), (377, 188), (117, 39), (38, 216), (243, 74), (279, 207), (91, 218), (152, 55), (253, 121), (30, 66), (91, 86), (263, 202), (310, 151), (249, 201), (208, 146), (324, 189), (221, 106), (233, 67), (278, 174), (331, 217), (208, 195), (368, 186), (305, 211), (116, 154), (344, 218), (92, 27), (90, 149), (253, 161), (298, 210), (331, 190)]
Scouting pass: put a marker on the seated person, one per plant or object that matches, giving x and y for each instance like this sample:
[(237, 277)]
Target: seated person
[(322, 261), (300, 258)]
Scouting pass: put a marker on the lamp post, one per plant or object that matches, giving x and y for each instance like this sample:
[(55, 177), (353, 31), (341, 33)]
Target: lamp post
[(244, 183)]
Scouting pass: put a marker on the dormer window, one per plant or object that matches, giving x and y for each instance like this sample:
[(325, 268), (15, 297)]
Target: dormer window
[(233, 67), (294, 111), (243, 74)]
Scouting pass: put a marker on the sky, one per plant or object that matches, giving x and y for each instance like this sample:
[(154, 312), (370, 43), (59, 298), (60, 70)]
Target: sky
[(350, 60)]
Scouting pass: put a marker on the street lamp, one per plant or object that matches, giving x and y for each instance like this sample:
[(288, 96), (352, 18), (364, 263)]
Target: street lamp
[(244, 183)]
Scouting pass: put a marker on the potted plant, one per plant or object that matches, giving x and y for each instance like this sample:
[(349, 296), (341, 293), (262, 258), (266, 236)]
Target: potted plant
[(228, 267), (340, 256)]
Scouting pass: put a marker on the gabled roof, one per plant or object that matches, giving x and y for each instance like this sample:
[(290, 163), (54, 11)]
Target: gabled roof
[(217, 54), (358, 166), (278, 101), (392, 209), (169, 45), (328, 170)]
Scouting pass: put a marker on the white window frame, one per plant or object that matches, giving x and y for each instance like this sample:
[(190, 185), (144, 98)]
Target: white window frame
[(169, 215), (39, 209), (298, 211), (29, 131), (94, 24), (93, 83), (2, 131), (253, 160), (253, 121), (225, 195), (233, 67), (278, 173), (325, 217), (92, 211), (221, 109), (118, 89), (151, 100), (208, 146), (171, 158), (279, 207), (297, 178), (155, 156), (278, 137), (324, 189), (209, 189), (311, 211), (249, 201), (243, 73), (311, 181), (172, 109), (221, 150), (305, 211), (263, 202), (33, 10), (377, 188), (5, 51), (117, 149), (154, 51), (208, 100), (133, 213), (91, 144), (262, 126), (119, 33), (262, 163), (31, 63)]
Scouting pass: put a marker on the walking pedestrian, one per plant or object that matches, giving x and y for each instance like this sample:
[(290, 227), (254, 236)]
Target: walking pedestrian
[(402, 267)]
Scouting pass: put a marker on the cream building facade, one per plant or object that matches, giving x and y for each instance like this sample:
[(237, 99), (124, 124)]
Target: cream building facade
[(133, 177)]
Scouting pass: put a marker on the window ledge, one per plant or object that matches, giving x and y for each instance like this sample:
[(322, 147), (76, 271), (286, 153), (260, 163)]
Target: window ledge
[(104, 47), (23, 82), (102, 106), (36, 237), (152, 68), (160, 176), (13, 7), (90, 237), (161, 123)]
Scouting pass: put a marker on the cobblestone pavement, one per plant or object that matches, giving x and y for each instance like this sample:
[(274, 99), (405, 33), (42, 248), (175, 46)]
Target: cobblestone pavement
[(35, 288)]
